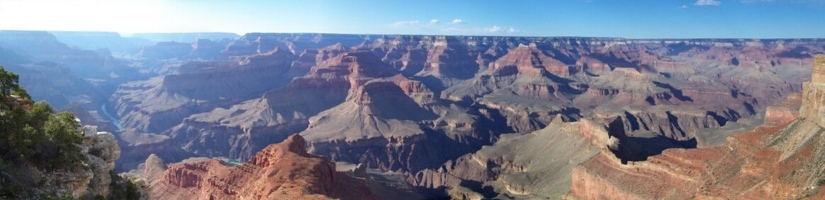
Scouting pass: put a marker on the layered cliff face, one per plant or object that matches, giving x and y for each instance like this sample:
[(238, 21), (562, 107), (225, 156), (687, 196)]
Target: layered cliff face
[(243, 129), (288, 172), (157, 104), (780, 160), (425, 105), (414, 103), (518, 166), (395, 115), (813, 93)]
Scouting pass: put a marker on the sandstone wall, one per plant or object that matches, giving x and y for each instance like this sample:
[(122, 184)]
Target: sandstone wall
[(819, 69), (813, 95)]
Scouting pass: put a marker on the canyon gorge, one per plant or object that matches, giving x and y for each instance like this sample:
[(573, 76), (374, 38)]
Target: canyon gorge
[(207, 115)]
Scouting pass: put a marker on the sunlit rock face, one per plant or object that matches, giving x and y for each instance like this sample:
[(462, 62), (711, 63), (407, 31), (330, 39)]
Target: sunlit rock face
[(440, 110), (813, 94), (415, 104), (279, 171), (779, 160)]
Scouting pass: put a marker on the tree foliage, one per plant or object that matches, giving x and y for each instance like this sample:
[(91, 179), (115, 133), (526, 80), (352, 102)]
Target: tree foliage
[(8, 82), (35, 133)]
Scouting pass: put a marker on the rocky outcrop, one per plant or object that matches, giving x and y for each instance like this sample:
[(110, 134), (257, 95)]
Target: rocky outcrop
[(780, 160), (399, 116), (101, 152), (91, 178), (289, 173), (518, 166), (813, 94)]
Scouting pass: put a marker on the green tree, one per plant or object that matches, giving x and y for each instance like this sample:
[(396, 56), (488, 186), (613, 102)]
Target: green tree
[(8, 82), (32, 135), (61, 131), (36, 133)]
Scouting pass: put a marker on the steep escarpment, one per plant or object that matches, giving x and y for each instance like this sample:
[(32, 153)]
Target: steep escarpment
[(401, 117), (780, 160), (288, 172), (527, 166), (148, 108), (413, 103), (241, 130), (160, 103)]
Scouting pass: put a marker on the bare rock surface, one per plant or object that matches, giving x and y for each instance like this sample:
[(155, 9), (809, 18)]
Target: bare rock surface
[(780, 160), (528, 166), (410, 104), (289, 173)]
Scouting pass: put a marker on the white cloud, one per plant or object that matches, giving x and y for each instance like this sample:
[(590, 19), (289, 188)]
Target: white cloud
[(453, 27), (402, 24), (683, 7), (499, 29), (492, 29), (707, 3), (513, 30)]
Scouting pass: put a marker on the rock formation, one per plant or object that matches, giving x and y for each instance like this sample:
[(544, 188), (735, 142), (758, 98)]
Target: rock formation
[(417, 103), (530, 166), (288, 172), (92, 177), (780, 160), (813, 108)]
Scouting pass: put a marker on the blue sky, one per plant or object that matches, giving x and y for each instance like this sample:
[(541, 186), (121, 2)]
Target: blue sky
[(601, 18)]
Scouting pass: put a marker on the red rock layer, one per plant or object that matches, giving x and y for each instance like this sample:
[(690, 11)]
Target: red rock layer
[(780, 160), (280, 171), (743, 169), (530, 62)]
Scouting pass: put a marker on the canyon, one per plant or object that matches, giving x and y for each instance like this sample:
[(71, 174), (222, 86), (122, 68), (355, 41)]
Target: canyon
[(452, 116), (779, 160)]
